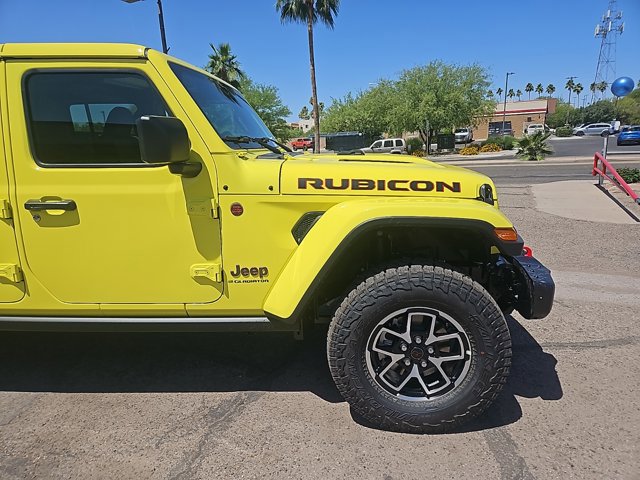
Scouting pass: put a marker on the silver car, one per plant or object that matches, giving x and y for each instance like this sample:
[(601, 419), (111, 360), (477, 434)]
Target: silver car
[(387, 145), (601, 129), (463, 135)]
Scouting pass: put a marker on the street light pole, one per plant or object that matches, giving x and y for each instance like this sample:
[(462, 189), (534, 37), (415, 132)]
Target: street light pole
[(165, 49), (504, 107)]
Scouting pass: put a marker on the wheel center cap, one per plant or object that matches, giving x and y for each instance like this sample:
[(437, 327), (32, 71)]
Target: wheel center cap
[(416, 353)]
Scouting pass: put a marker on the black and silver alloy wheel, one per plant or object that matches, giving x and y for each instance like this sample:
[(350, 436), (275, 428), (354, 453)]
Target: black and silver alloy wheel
[(419, 349), (418, 353)]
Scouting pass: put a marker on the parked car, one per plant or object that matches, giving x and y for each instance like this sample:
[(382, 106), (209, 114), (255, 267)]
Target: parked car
[(302, 143), (463, 135), (536, 127), (629, 135), (601, 129), (387, 145)]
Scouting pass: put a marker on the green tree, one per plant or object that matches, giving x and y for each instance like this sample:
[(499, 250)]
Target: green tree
[(529, 89), (499, 93), (518, 94), (569, 86), (490, 93), (564, 114), (534, 147), (309, 12), (593, 87), (304, 113), (266, 101), (599, 112), (629, 108), (224, 65), (578, 88), (550, 89), (539, 89), (445, 96), (511, 94)]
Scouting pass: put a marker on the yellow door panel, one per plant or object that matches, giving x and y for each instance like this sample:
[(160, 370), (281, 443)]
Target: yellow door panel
[(11, 279), (127, 234)]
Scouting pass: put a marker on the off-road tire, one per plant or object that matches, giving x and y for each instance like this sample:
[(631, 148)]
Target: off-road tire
[(447, 291)]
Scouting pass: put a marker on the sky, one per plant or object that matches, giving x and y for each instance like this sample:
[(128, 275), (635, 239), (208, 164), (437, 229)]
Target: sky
[(542, 42)]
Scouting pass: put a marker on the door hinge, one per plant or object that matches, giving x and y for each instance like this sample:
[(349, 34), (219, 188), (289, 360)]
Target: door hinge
[(205, 208), (5, 209), (211, 271), (11, 271)]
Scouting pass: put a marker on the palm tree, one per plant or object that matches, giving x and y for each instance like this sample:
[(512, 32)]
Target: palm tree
[(539, 89), (602, 87), (550, 89), (578, 90), (518, 94), (569, 86), (490, 93), (534, 147), (309, 12), (499, 92), (511, 94), (529, 89), (224, 65)]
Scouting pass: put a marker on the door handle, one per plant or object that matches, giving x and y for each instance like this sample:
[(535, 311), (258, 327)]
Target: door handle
[(38, 205)]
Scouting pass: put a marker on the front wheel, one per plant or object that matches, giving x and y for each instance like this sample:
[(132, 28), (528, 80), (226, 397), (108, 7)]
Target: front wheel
[(419, 349)]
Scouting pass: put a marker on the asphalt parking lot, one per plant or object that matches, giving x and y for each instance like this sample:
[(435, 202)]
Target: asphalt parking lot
[(207, 406)]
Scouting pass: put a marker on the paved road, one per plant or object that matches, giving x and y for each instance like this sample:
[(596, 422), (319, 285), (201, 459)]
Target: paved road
[(586, 146), (528, 173)]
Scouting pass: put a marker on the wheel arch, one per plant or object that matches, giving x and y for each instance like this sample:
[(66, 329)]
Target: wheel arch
[(316, 264)]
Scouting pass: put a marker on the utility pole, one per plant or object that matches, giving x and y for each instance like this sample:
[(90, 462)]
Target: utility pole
[(504, 107), (163, 37)]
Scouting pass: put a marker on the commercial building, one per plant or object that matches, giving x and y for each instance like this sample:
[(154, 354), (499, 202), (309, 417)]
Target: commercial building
[(518, 116)]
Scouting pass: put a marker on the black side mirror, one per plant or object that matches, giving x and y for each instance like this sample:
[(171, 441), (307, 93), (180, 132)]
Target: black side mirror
[(165, 141)]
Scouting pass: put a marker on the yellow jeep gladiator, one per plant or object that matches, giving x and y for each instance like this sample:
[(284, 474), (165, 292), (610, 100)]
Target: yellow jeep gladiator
[(140, 192)]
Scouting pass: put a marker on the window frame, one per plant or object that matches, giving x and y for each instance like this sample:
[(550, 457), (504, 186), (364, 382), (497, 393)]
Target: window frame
[(27, 114)]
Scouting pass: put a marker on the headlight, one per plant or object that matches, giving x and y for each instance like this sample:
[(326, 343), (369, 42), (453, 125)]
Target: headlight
[(486, 194)]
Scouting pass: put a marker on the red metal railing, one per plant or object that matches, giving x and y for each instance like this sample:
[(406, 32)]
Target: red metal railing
[(617, 180)]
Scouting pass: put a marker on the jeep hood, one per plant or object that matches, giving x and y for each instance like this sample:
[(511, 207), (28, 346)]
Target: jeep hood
[(377, 175)]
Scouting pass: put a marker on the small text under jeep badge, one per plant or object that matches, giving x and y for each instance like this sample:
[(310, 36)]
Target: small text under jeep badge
[(369, 184)]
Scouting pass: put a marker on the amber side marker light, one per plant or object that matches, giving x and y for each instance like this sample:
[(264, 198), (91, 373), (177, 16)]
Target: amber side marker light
[(506, 234)]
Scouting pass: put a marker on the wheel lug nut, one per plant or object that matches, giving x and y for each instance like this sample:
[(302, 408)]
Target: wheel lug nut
[(407, 362), (404, 347), (423, 364), (430, 350), (417, 340)]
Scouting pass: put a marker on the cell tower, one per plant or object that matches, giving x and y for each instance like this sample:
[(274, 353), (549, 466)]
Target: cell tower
[(608, 30)]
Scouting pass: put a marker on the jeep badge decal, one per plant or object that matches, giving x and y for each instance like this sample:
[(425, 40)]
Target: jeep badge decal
[(369, 184), (249, 274)]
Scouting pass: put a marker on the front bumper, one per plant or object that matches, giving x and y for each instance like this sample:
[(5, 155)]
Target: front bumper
[(535, 287)]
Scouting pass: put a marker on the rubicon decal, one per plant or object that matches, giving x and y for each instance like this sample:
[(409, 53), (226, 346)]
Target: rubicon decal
[(249, 275), (370, 184)]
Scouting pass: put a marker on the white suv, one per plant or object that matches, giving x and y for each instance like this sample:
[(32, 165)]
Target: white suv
[(387, 145)]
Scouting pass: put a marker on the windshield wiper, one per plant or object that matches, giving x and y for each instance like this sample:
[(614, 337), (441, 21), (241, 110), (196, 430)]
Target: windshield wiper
[(262, 141)]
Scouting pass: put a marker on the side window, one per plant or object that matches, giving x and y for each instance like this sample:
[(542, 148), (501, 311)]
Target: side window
[(388, 143), (398, 143), (88, 118), (377, 144)]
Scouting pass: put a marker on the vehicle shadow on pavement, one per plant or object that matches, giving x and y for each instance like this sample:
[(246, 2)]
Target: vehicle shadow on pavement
[(533, 374), (164, 362)]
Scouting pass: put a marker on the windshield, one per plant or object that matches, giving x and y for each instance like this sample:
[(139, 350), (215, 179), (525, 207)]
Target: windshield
[(229, 114), (461, 130)]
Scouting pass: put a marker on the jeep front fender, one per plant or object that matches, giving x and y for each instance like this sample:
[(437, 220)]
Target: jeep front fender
[(341, 224)]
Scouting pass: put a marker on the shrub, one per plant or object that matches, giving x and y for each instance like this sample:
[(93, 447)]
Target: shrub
[(490, 147), (629, 175), (414, 144), (418, 153), (506, 142), (564, 131), (469, 151), (534, 147)]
